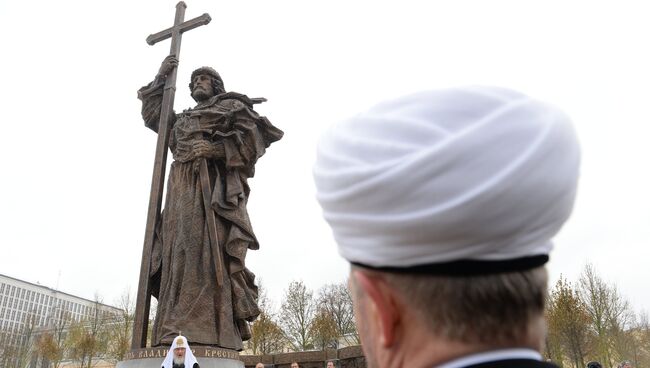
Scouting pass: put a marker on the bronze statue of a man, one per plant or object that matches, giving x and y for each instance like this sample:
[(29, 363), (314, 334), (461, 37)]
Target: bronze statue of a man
[(225, 131)]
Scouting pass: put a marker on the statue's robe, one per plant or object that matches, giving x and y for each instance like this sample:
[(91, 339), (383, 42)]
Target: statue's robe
[(183, 274)]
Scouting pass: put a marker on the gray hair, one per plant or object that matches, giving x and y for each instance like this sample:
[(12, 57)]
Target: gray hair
[(495, 309)]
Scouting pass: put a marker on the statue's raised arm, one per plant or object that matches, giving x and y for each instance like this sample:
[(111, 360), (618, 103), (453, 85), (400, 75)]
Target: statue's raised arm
[(151, 95)]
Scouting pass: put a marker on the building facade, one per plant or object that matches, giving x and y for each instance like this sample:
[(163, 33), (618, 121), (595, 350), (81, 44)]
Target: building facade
[(26, 308)]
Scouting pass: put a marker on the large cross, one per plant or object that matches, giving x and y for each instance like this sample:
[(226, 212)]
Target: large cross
[(143, 300)]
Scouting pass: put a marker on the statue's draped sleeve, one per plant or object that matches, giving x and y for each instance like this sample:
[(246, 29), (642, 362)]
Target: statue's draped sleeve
[(249, 137), (151, 96), (246, 139)]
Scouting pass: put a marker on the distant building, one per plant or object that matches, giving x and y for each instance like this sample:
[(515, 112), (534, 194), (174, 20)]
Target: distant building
[(26, 307)]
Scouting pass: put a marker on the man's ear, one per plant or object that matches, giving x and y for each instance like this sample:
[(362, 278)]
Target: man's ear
[(382, 301)]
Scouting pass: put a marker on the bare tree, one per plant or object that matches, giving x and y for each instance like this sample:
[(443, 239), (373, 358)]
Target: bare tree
[(297, 314), (52, 343), (568, 324), (267, 336), (121, 327), (610, 315), (17, 344), (323, 330), (594, 292), (8, 349), (50, 350), (81, 344), (641, 332), (89, 338), (27, 347), (620, 319), (335, 301), (553, 349)]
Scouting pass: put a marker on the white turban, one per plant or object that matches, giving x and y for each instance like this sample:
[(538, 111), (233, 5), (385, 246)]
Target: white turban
[(478, 174), (179, 342)]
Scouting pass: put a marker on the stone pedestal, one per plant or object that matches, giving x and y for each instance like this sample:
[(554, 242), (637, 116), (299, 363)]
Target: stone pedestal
[(207, 357)]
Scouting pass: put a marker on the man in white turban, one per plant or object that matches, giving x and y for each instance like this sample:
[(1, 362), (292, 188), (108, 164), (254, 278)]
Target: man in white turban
[(445, 203), (180, 355)]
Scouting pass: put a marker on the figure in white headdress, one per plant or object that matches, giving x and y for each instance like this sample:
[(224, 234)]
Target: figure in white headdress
[(445, 203), (180, 355)]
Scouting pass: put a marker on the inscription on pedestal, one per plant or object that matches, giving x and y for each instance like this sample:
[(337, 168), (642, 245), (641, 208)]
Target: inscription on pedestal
[(199, 352)]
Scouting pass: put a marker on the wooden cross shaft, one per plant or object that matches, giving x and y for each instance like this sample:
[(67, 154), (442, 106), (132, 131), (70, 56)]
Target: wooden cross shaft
[(143, 300)]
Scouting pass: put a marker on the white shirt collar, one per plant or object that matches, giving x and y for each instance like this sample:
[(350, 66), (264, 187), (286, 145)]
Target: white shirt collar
[(490, 356)]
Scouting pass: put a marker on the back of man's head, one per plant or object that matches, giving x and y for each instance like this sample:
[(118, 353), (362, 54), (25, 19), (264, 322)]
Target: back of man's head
[(445, 203), (498, 310)]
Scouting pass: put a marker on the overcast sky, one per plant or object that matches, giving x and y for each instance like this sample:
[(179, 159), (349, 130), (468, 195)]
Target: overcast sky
[(76, 160)]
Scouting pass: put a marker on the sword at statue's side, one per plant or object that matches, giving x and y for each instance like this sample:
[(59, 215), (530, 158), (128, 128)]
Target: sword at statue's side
[(143, 300)]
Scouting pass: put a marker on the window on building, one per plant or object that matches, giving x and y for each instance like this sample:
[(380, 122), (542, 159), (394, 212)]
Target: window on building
[(2, 288), (22, 293), (12, 290)]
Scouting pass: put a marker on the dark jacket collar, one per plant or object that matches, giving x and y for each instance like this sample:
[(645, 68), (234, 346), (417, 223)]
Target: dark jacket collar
[(514, 363)]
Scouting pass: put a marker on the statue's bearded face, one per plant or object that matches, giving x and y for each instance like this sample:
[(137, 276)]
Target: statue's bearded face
[(202, 87)]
